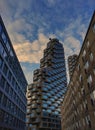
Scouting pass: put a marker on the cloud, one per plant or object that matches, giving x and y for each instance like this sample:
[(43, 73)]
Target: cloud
[(19, 30), (31, 23), (71, 45), (31, 52)]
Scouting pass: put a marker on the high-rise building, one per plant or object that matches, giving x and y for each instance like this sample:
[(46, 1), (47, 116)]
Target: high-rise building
[(72, 63), (46, 93), (12, 86), (78, 110)]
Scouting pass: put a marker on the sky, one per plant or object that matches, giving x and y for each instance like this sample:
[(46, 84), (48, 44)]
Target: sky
[(31, 23)]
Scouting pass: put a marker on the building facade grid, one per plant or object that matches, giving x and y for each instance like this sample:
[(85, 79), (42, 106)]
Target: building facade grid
[(12, 86)]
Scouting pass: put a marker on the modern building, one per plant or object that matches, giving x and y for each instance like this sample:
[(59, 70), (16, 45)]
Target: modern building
[(46, 93), (12, 86), (72, 60), (78, 108)]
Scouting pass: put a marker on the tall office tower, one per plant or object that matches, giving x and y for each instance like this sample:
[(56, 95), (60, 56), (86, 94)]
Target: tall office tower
[(46, 93), (72, 63), (12, 86), (78, 110)]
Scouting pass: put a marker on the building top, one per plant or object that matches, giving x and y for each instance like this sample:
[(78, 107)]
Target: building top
[(53, 39)]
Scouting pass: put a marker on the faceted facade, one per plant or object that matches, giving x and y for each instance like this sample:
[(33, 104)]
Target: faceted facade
[(78, 110), (72, 63), (46, 93), (12, 86)]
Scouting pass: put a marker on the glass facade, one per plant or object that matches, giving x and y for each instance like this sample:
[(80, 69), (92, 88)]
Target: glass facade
[(12, 86), (46, 93)]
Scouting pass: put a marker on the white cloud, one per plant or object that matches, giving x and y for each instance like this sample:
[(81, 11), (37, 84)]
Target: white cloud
[(75, 28), (71, 45), (31, 52), (17, 30)]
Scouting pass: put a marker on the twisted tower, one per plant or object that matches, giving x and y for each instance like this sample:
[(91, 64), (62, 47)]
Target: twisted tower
[(46, 93)]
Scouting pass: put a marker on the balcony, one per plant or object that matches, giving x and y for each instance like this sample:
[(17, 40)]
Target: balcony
[(38, 101), (28, 111), (44, 89), (44, 97), (36, 71), (34, 90), (34, 127), (39, 85), (29, 95), (34, 105), (43, 124), (28, 102), (35, 78), (29, 87), (33, 115), (34, 97), (38, 120), (38, 110), (39, 93), (42, 65), (44, 105)]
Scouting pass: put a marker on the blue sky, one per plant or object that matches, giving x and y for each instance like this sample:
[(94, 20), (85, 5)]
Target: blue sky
[(30, 24)]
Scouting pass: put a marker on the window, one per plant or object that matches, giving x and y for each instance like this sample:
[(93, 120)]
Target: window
[(45, 89), (4, 54), (93, 28), (52, 108), (80, 78), (44, 97), (78, 67), (81, 107), (1, 49), (84, 104), (88, 44), (94, 70), (88, 121), (2, 82), (0, 28), (4, 101), (4, 37), (11, 93), (83, 91), (9, 75), (0, 96), (1, 115), (49, 111), (8, 46), (1, 62), (7, 88), (86, 65), (92, 95), (11, 53), (91, 57), (5, 69), (84, 53), (45, 105), (6, 118), (89, 79), (84, 122)]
